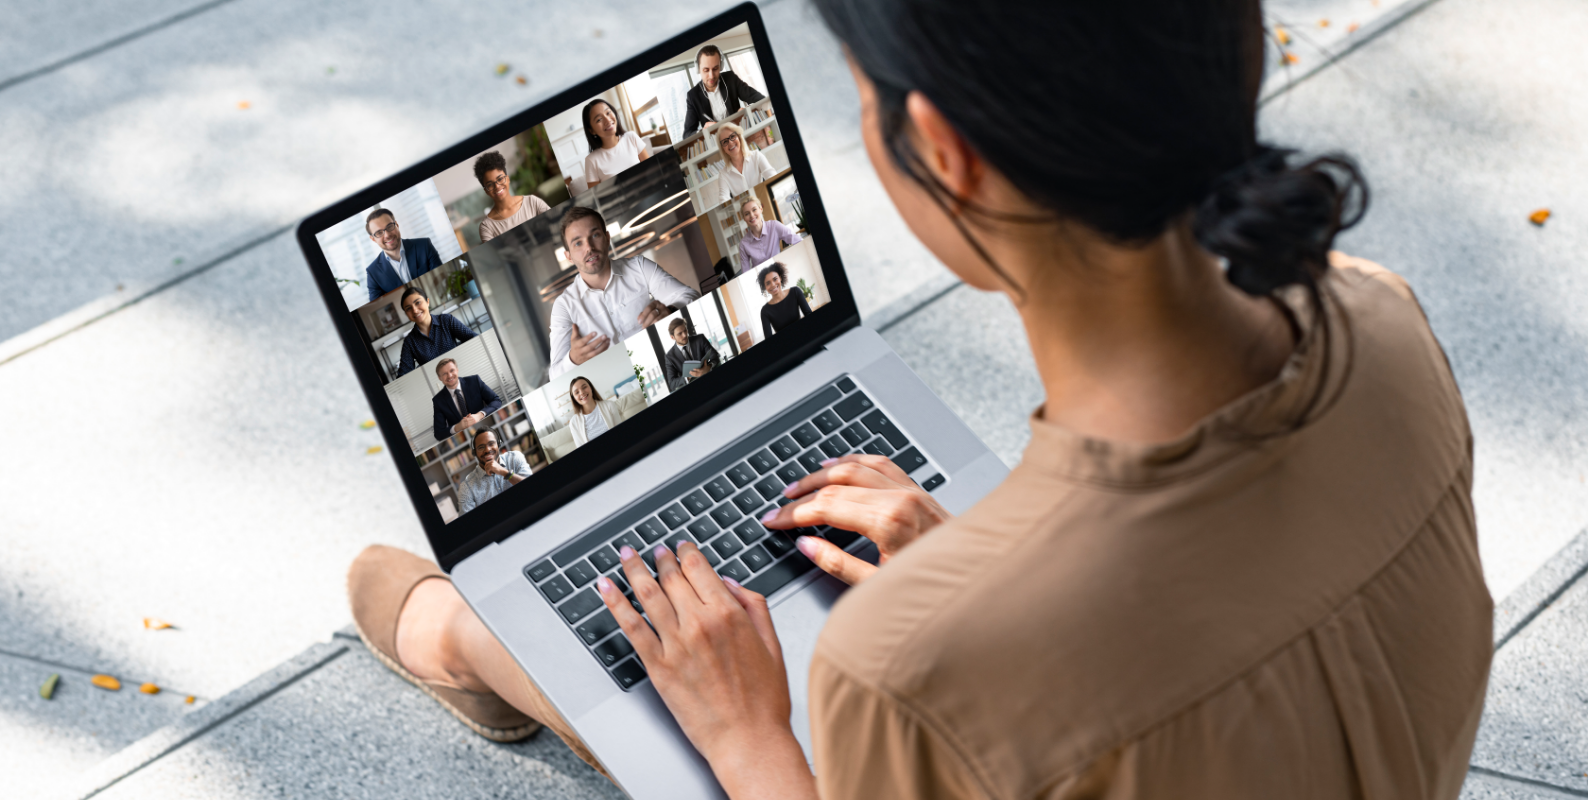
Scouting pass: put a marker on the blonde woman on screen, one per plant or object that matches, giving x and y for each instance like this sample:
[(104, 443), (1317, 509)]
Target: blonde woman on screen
[(742, 168)]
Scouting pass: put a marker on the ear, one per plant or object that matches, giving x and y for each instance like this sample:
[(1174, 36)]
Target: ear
[(945, 153)]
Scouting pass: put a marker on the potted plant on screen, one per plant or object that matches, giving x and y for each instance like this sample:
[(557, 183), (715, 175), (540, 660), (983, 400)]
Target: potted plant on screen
[(461, 283)]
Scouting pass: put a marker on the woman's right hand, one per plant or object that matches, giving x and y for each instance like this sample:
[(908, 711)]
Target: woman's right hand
[(866, 494)]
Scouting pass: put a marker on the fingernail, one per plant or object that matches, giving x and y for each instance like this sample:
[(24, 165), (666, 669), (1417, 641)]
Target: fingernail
[(731, 582), (829, 462), (769, 516), (625, 552), (603, 585), (788, 491), (678, 546), (807, 545), (660, 551)]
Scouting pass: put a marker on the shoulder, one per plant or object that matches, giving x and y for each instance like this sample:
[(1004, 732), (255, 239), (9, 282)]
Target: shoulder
[(796, 292), (536, 204), (632, 138), (421, 242)]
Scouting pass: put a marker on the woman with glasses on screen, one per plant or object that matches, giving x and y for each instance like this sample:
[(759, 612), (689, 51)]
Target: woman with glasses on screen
[(507, 210), (1238, 558), (743, 169), (612, 149)]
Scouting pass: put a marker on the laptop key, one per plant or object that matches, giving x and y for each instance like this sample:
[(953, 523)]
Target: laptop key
[(878, 423), (742, 475), (727, 546), (763, 461), (784, 448), (734, 570), (597, 627), (651, 529), (806, 435), (628, 539), (845, 385), (580, 605), (749, 531), (853, 406), (778, 544), (617, 579), (725, 514), (580, 572), (711, 556), (878, 447), (812, 460), (556, 589), (770, 487), (675, 516), (780, 574), (605, 558), (756, 558), (933, 482), (703, 528), (539, 572), (828, 422), (697, 502), (629, 673), (855, 434), (790, 472), (834, 447), (840, 537), (720, 488), (748, 500), (613, 650), (910, 460)]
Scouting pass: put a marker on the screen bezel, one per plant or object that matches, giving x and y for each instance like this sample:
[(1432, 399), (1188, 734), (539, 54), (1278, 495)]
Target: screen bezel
[(590, 465)]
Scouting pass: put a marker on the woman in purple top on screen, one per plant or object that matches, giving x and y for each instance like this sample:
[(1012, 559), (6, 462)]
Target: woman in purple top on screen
[(764, 239)]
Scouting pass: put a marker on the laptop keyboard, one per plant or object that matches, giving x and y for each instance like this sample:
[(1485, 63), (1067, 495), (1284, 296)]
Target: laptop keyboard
[(718, 505)]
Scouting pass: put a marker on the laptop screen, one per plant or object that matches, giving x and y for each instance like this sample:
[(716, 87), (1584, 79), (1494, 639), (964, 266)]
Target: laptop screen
[(536, 302)]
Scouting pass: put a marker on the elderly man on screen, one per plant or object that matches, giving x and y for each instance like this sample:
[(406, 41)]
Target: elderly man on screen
[(611, 300), (763, 238), (462, 401)]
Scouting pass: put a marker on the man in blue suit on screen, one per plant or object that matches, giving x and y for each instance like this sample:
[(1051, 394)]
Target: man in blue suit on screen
[(462, 402), (400, 261)]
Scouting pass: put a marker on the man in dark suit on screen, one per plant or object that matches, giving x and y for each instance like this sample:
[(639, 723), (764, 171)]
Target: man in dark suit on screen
[(687, 348), (717, 95), (462, 402), (400, 260)]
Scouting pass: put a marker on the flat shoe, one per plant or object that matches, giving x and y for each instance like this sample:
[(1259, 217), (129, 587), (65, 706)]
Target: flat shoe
[(378, 584)]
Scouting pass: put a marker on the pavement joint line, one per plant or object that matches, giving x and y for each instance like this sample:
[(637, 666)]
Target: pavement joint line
[(170, 738), (85, 671), (1546, 585), (915, 300), (73, 321), (1505, 776), (1365, 34), (111, 44)]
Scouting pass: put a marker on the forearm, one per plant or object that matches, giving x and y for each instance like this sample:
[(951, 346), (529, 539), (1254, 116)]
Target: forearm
[(766, 768)]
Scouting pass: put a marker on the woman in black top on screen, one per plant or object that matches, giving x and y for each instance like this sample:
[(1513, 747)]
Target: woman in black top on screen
[(788, 303)]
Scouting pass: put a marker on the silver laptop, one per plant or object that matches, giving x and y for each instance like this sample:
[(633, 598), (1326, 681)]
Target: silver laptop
[(467, 288)]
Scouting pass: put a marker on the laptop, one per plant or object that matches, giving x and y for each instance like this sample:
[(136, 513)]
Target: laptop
[(508, 306)]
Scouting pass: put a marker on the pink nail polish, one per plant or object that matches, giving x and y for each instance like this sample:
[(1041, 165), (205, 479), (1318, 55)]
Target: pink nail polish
[(788, 491), (678, 546), (603, 585), (829, 462), (625, 552), (731, 582), (806, 545), (661, 550), (769, 516)]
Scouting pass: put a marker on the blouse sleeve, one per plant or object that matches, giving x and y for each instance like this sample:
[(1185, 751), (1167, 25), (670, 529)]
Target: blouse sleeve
[(805, 307), (767, 328)]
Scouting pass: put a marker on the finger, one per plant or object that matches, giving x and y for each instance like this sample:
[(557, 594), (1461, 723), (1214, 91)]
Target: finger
[(640, 635), (672, 579), (600, 345), (760, 615), (834, 561), (647, 591), (882, 464), (862, 510), (576, 333), (842, 472), (702, 578)]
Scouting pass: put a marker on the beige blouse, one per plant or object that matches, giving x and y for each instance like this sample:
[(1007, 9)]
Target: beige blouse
[(1301, 615), (531, 207)]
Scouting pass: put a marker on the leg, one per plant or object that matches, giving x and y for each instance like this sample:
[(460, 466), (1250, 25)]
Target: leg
[(440, 639)]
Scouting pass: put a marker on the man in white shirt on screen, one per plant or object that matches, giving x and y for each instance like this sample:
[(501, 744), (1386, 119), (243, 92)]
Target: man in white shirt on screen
[(611, 300)]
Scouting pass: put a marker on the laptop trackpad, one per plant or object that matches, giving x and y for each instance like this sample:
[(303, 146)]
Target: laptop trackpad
[(799, 619)]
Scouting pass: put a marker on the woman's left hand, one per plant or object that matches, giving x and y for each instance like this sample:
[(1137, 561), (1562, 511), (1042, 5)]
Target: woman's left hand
[(715, 659)]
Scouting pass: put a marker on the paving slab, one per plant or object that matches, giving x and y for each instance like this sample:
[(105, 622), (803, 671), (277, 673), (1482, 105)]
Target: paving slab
[(1484, 785), (353, 729), (1466, 118), (1535, 720), (38, 36)]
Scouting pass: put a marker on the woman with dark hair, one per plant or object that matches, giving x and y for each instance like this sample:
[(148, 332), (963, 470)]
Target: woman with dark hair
[(1238, 557), (507, 210), (592, 416), (787, 303), (612, 149)]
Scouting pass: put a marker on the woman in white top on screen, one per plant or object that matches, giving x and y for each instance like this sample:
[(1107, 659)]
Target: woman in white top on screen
[(508, 210), (742, 168), (612, 149), (592, 416)]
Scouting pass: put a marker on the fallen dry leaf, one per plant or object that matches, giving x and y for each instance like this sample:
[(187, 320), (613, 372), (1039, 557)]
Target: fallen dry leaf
[(1539, 217), (1282, 35), (501, 69), (1352, 28), (47, 691), (521, 80), (189, 700), (367, 424), (373, 450), (1290, 58), (149, 688), (1323, 23), (106, 682), (155, 624), (244, 105)]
